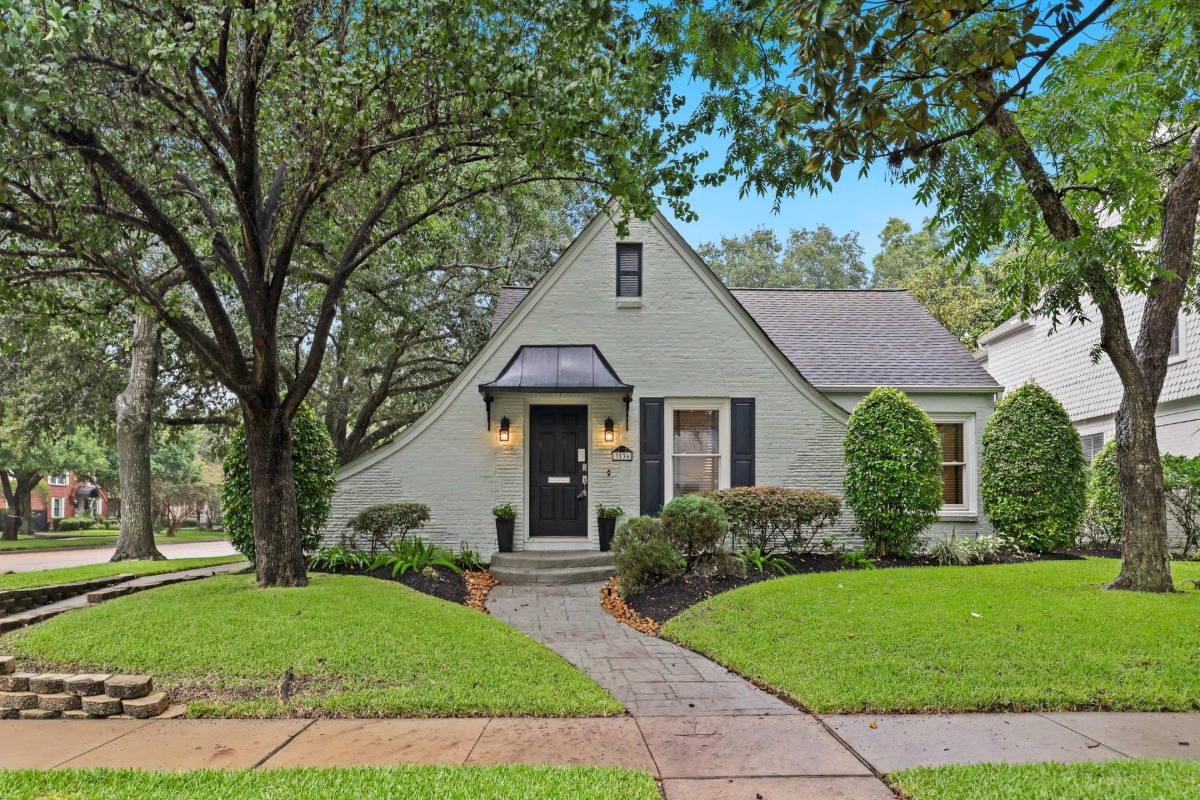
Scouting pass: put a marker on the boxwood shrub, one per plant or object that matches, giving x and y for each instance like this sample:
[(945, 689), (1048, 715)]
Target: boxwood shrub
[(694, 525), (314, 467), (643, 556), (893, 471), (775, 518), (67, 524), (1033, 477)]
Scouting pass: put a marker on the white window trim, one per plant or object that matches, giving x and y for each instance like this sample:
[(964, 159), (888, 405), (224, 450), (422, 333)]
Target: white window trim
[(58, 507), (58, 480), (673, 404), (968, 508), (1181, 325)]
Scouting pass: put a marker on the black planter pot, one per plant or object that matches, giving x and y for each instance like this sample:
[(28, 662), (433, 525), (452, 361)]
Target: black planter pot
[(607, 525), (504, 534)]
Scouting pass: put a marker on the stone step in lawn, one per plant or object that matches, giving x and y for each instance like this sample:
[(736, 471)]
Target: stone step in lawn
[(26, 695)]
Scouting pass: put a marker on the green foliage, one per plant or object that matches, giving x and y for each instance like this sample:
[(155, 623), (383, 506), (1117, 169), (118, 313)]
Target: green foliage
[(469, 560), (813, 259), (893, 470), (505, 512), (608, 512), (78, 523), (770, 518), (643, 556), (383, 524), (413, 555), (694, 525), (762, 562), (315, 474), (1033, 477), (1102, 524), (1181, 479), (338, 558), (959, 551), (856, 559)]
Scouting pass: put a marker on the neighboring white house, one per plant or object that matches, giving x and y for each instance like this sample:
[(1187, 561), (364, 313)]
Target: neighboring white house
[(630, 374), (1062, 362)]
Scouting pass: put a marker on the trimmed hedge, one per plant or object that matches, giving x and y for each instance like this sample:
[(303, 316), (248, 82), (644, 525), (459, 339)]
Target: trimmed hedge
[(773, 518), (314, 469), (893, 470), (68, 524), (1034, 477), (1102, 523), (384, 524)]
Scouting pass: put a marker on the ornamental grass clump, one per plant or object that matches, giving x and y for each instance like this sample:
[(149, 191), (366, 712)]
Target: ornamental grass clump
[(1034, 477), (893, 471), (314, 471)]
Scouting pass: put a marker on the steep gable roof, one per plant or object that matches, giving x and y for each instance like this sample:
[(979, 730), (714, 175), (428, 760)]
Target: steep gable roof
[(846, 338)]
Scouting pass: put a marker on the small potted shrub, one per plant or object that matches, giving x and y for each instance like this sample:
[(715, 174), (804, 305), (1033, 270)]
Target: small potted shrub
[(506, 517), (606, 520)]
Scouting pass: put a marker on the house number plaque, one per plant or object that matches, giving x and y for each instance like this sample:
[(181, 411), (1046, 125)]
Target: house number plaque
[(622, 453)]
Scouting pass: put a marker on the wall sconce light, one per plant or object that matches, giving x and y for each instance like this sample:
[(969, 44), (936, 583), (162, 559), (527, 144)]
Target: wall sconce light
[(609, 433), (504, 429)]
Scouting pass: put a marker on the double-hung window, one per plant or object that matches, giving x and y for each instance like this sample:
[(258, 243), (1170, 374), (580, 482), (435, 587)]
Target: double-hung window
[(56, 507), (954, 439), (57, 480), (699, 446)]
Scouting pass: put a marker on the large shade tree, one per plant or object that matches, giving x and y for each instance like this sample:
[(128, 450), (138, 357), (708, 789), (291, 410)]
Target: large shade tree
[(1067, 128), (201, 156), (810, 259)]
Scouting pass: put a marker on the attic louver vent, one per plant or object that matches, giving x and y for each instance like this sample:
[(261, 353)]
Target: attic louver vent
[(629, 270)]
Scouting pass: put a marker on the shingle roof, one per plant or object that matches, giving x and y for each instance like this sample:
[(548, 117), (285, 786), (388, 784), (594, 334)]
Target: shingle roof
[(853, 337)]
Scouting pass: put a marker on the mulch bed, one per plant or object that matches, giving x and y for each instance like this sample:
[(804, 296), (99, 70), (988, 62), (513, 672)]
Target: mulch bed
[(660, 603), (441, 583)]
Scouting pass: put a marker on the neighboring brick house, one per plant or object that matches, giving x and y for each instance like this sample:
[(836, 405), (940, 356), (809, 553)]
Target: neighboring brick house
[(629, 374), (66, 496)]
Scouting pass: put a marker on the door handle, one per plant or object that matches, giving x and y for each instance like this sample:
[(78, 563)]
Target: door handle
[(582, 494)]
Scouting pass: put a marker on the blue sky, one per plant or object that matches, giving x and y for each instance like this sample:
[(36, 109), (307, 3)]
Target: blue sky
[(854, 204)]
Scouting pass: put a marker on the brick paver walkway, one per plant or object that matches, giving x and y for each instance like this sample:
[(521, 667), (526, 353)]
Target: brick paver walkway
[(649, 676)]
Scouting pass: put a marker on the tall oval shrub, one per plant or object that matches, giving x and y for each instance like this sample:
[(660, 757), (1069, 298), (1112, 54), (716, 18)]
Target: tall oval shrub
[(1102, 523), (893, 470), (1034, 477), (694, 525), (315, 472)]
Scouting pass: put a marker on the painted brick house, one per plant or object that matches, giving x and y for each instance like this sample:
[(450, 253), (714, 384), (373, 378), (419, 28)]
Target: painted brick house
[(629, 374)]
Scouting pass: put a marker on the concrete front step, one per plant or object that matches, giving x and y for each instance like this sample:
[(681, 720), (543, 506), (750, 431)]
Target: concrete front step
[(552, 567)]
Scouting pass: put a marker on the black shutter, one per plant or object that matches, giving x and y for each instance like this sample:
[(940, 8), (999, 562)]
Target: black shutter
[(652, 455), (741, 473), (629, 270)]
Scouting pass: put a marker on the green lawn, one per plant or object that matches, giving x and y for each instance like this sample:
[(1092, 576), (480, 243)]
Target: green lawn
[(359, 647), (100, 537), (49, 577), (1036, 636), (1103, 780), (346, 783)]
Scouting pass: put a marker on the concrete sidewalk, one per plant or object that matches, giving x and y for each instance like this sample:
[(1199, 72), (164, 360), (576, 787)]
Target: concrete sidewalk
[(791, 757), (35, 560)]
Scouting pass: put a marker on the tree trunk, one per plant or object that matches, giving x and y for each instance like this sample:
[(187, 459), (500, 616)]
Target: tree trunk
[(18, 494), (13, 519), (1145, 560), (134, 406), (278, 550)]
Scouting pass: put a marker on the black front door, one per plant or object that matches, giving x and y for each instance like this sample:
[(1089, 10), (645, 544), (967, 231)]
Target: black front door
[(557, 470)]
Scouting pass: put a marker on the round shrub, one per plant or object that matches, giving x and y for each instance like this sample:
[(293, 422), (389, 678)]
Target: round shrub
[(314, 469), (774, 518), (893, 470), (694, 525), (1033, 478), (384, 524), (643, 556), (1102, 523)]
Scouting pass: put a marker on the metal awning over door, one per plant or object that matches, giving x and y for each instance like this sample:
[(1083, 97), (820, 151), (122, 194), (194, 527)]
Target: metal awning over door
[(556, 368)]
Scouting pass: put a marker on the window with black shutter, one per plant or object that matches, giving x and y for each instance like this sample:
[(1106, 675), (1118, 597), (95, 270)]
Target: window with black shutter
[(629, 270)]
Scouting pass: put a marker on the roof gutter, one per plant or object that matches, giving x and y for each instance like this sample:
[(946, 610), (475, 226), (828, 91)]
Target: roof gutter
[(916, 389)]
